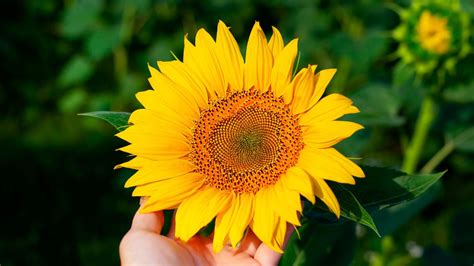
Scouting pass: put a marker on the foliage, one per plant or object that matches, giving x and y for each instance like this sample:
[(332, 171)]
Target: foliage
[(64, 204)]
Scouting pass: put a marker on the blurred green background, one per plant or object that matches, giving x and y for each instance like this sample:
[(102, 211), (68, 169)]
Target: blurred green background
[(63, 204)]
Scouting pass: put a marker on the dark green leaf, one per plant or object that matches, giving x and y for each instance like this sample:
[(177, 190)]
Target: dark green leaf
[(321, 244), (460, 93), (117, 119), (389, 219), (464, 141), (381, 189), (385, 187), (352, 209)]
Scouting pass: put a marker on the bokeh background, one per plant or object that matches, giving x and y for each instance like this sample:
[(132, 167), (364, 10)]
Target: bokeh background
[(62, 203)]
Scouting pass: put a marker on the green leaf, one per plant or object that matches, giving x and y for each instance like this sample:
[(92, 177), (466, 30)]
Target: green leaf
[(379, 105), (72, 101), (80, 16), (77, 70), (385, 187), (352, 209), (460, 93), (464, 141), (117, 119), (389, 219), (380, 189), (321, 244), (103, 41)]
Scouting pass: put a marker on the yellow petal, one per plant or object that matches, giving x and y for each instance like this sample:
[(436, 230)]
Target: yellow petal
[(159, 170), (303, 90), (345, 163), (258, 61), (280, 234), (135, 163), (284, 202), (168, 193), (198, 210), (155, 120), (265, 221), (151, 101), (323, 78), (243, 216), (203, 62), (159, 151), (329, 133), (324, 192), (224, 221), (160, 147), (283, 68), (319, 165), (173, 95), (230, 58), (298, 180), (276, 43), (178, 72), (164, 187), (329, 108)]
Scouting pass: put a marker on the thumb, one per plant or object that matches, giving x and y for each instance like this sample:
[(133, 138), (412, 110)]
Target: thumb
[(266, 256), (152, 222)]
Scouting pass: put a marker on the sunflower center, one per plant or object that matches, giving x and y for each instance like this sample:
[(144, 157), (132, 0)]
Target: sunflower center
[(249, 142), (433, 33), (245, 142)]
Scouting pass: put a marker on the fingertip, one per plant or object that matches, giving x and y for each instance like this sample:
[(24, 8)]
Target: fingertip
[(266, 256), (151, 222)]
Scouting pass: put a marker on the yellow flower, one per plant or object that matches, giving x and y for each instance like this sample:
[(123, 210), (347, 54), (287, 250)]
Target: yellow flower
[(238, 141), (433, 33)]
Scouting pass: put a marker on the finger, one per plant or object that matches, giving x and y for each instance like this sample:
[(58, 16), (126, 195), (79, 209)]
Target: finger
[(250, 243), (172, 226), (151, 222), (266, 256)]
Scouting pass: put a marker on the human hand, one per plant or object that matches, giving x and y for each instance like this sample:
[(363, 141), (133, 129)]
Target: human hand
[(143, 245)]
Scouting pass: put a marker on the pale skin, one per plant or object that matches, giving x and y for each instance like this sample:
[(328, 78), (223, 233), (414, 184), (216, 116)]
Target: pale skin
[(144, 245)]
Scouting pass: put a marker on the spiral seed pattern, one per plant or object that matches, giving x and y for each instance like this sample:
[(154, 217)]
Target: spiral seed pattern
[(245, 142)]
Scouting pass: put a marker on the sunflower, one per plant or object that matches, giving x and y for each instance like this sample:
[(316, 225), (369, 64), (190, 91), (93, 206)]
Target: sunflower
[(238, 141), (433, 35)]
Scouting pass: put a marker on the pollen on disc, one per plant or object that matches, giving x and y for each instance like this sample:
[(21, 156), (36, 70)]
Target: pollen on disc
[(245, 142)]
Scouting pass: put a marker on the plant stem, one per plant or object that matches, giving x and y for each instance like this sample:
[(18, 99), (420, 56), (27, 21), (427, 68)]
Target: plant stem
[(448, 147), (423, 124), (438, 157)]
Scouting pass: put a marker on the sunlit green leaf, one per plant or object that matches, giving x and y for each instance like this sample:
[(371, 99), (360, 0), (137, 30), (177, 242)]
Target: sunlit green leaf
[(379, 105), (72, 101), (77, 70), (79, 17), (117, 119), (102, 42)]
